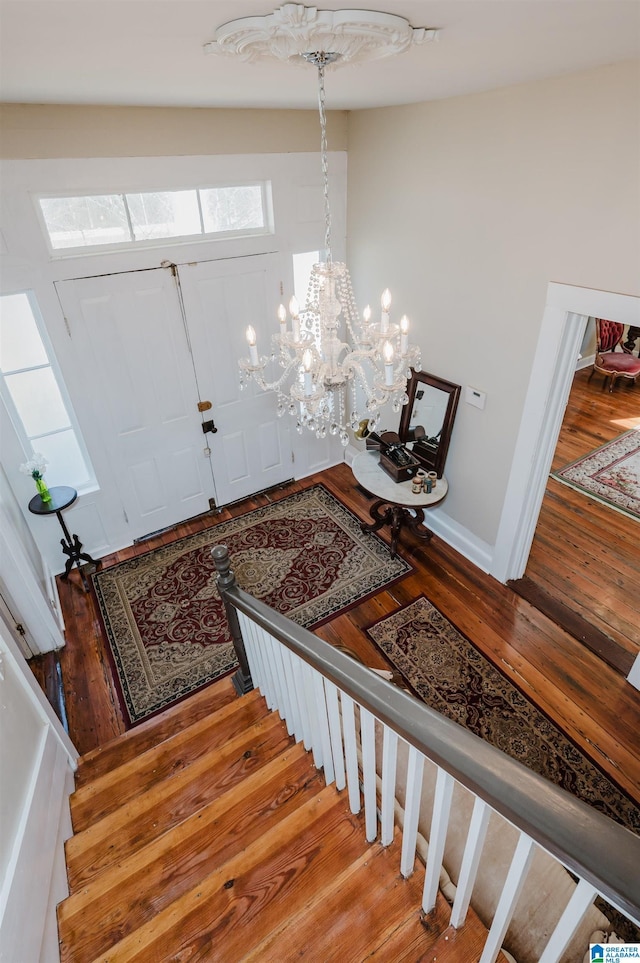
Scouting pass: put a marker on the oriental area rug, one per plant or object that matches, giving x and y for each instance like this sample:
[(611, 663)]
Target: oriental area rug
[(611, 474), (444, 669), (305, 556)]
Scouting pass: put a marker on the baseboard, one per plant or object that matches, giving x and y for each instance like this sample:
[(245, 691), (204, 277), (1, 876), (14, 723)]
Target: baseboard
[(592, 638)]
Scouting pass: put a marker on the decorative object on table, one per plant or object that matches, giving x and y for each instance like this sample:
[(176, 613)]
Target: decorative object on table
[(445, 670), (609, 362), (320, 371), (395, 458), (61, 497), (36, 467), (304, 555), (610, 474), (427, 420)]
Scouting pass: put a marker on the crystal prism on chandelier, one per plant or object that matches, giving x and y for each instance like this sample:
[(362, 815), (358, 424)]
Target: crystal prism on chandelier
[(332, 360)]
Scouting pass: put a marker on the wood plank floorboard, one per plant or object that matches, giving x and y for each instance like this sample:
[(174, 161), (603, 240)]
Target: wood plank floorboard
[(591, 702), (585, 554)]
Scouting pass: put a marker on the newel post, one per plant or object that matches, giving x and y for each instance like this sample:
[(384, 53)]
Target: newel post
[(242, 680)]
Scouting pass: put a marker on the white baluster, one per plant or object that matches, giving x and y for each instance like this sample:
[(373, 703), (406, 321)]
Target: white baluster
[(323, 726), (305, 717), (335, 731), (264, 644), (389, 765), (582, 898), (470, 861), (415, 769), (293, 695), (368, 738), (284, 706), (437, 838), (310, 697), (350, 751), (510, 894)]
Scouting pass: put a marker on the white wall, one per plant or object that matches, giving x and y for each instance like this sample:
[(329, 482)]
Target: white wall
[(34, 812), (467, 208)]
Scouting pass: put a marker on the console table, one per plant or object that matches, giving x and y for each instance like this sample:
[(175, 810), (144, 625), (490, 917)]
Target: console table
[(62, 497), (396, 504)]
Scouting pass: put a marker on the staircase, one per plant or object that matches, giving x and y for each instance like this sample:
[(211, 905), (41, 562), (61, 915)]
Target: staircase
[(207, 834)]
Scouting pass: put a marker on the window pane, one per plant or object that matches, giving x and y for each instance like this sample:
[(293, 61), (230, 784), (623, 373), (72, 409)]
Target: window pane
[(66, 464), (232, 208), (38, 401), (164, 214), (20, 342), (84, 221)]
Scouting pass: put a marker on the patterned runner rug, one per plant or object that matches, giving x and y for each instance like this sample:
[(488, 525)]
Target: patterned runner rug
[(611, 473), (304, 555), (445, 670)]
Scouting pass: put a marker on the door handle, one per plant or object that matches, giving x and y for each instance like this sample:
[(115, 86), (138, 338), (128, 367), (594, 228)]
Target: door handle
[(209, 426)]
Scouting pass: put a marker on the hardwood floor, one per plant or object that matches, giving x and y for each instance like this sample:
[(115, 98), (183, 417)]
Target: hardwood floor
[(589, 700), (586, 556)]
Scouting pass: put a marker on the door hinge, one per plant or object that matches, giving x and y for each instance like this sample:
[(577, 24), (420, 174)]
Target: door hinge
[(293, 457), (66, 324), (126, 517), (20, 629)]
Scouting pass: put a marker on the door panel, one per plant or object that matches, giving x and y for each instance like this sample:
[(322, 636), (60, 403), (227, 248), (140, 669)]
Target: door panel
[(252, 447), (130, 334)]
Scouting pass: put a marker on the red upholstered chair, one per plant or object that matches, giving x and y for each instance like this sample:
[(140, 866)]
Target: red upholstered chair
[(609, 362)]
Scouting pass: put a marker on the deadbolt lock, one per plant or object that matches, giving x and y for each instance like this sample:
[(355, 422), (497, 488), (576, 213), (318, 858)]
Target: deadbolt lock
[(204, 405)]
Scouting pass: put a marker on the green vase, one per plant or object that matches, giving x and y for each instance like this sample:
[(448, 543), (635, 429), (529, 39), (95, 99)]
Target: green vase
[(43, 491)]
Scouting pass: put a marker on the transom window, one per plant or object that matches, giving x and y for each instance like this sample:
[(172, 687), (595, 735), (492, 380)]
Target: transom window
[(108, 220), (34, 395)]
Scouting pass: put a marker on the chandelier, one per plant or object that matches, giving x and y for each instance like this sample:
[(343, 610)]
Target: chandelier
[(331, 359)]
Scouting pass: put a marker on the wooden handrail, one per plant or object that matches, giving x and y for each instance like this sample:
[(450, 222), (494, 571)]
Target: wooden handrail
[(587, 842)]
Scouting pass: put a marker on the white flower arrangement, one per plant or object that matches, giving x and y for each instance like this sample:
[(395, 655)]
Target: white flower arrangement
[(35, 466)]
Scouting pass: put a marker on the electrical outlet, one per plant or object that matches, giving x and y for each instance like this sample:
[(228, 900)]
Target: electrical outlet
[(475, 397)]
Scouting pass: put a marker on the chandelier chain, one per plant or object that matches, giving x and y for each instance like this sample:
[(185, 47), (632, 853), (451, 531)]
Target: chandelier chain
[(325, 161)]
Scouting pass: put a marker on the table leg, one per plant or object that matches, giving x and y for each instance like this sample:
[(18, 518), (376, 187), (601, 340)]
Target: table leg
[(72, 548), (396, 516)]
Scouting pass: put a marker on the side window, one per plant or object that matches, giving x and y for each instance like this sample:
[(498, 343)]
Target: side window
[(33, 391)]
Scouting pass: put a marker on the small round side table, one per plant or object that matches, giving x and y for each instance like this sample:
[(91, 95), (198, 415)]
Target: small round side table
[(401, 506), (62, 497)]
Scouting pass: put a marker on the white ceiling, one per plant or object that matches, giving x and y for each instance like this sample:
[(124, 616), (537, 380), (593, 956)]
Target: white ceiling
[(150, 52)]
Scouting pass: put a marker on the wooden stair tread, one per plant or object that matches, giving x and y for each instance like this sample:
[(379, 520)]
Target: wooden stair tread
[(414, 939), (152, 731), (251, 894), (169, 802), (324, 928), (131, 892), (182, 748)]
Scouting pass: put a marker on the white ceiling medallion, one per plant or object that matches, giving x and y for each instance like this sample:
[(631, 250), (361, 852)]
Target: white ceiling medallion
[(293, 30)]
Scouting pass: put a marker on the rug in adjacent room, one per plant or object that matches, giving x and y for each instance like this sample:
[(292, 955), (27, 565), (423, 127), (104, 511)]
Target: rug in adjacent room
[(446, 671), (611, 473), (305, 556)]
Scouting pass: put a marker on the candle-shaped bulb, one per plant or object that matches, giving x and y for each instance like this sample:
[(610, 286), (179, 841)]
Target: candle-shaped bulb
[(282, 316), (387, 354), (385, 302), (404, 334), (294, 307), (307, 361), (251, 341), (366, 314)]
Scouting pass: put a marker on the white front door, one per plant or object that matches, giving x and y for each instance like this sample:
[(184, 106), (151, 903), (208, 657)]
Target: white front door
[(131, 339), (251, 449)]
